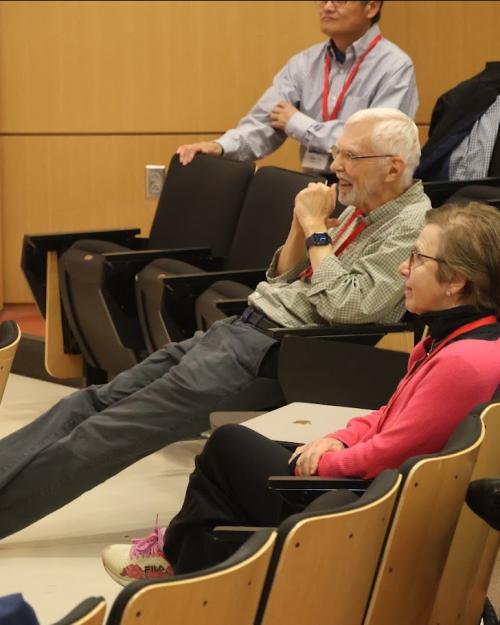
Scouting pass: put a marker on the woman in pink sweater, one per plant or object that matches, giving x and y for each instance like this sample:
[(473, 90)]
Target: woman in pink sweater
[(452, 281)]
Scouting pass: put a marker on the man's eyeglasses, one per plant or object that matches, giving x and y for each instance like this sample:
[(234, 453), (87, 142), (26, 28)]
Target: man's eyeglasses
[(350, 156), (416, 259), (335, 3)]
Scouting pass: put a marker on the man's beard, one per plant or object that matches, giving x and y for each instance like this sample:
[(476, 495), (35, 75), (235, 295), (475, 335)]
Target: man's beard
[(354, 196)]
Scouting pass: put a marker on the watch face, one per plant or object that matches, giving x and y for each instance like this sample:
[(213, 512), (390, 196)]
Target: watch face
[(318, 238), (321, 238)]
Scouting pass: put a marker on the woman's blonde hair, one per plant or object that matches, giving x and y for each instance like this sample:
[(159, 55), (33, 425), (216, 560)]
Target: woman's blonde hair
[(470, 246)]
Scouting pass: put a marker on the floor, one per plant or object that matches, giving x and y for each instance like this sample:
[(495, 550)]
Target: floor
[(27, 316), (56, 563)]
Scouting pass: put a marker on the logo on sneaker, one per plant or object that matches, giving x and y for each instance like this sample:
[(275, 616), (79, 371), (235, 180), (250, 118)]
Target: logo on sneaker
[(134, 571)]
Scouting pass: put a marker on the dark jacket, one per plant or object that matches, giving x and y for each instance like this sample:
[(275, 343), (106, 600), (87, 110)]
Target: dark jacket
[(454, 114)]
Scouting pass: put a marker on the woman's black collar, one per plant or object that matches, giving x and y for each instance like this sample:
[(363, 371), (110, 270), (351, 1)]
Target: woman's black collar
[(444, 322)]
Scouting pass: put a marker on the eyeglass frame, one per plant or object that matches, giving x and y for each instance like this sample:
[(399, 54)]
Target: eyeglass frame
[(336, 3), (415, 254), (349, 156)]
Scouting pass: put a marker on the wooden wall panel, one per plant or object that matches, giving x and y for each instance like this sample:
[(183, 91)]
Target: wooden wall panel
[(142, 66), (197, 66), (90, 92), (59, 184), (67, 183)]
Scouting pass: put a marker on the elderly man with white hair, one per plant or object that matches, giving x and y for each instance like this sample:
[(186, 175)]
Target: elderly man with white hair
[(326, 272)]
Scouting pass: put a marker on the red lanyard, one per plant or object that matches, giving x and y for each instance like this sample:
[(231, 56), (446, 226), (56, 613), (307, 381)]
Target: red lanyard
[(352, 75), (355, 233), (461, 330)]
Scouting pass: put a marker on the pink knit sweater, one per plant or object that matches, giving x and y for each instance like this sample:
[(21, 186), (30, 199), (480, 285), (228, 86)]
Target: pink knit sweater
[(423, 412)]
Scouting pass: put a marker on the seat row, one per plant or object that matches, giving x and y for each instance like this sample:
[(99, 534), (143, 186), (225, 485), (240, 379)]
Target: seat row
[(111, 297), (406, 552), (215, 214)]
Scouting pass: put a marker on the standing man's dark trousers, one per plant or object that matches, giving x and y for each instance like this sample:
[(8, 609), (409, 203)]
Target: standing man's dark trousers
[(227, 487), (93, 434)]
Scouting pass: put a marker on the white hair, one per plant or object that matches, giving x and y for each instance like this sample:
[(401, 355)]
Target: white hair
[(393, 133)]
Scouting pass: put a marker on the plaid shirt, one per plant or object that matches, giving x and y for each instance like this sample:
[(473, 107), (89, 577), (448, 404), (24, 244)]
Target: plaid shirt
[(471, 159), (362, 285)]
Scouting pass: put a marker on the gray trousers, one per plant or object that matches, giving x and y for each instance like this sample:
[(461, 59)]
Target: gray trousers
[(94, 433)]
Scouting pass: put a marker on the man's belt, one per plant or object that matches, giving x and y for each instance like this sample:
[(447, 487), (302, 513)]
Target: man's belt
[(258, 319)]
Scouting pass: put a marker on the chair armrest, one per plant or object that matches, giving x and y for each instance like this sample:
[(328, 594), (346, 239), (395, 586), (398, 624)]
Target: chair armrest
[(317, 484), (232, 306), (181, 293), (91, 610), (298, 492), (199, 256), (36, 247), (196, 283), (60, 241), (232, 529), (235, 533), (344, 330)]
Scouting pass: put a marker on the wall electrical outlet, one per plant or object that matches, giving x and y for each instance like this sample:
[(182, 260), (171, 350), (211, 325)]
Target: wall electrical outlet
[(155, 175)]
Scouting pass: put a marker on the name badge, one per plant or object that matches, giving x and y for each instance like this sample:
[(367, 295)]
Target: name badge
[(315, 161)]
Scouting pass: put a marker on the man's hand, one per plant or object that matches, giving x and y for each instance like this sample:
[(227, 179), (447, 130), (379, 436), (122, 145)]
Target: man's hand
[(186, 152), (313, 207), (310, 454), (281, 113)]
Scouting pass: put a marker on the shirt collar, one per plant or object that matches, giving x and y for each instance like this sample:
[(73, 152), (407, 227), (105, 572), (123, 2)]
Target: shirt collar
[(414, 194), (335, 52), (356, 49)]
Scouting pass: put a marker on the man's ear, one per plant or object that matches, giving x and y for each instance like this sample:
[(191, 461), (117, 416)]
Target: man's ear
[(372, 7), (395, 169)]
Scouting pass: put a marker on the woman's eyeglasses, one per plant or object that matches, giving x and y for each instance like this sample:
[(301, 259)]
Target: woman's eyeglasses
[(416, 259)]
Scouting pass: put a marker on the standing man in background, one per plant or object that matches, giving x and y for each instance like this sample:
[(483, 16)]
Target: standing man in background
[(319, 88)]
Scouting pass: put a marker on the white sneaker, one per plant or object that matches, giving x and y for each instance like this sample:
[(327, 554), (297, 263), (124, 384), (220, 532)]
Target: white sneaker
[(143, 560)]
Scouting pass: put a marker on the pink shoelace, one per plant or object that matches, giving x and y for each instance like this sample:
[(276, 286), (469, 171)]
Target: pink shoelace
[(151, 545)]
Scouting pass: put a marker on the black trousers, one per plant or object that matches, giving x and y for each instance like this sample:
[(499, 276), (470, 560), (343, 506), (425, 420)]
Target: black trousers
[(227, 487)]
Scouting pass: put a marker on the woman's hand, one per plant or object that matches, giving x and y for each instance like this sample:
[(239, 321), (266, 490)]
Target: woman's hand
[(310, 455)]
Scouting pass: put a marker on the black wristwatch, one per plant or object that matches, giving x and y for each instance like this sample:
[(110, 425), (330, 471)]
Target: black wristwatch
[(318, 238)]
